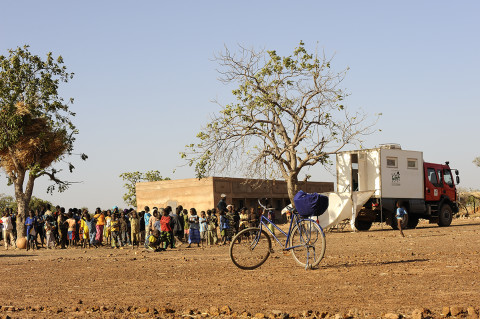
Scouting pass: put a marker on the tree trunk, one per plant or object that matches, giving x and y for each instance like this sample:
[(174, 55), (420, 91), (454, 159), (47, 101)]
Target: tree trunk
[(23, 201), (292, 186), (22, 206)]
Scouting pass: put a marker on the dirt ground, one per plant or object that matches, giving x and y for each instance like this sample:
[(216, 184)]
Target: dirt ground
[(366, 274)]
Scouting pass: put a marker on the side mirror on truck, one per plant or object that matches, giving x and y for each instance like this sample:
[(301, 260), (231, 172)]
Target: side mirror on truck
[(457, 179)]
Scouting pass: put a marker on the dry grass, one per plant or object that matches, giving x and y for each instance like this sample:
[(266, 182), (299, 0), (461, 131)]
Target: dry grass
[(39, 146)]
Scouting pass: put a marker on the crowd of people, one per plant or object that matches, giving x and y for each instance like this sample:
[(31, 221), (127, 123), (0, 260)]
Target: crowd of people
[(156, 229)]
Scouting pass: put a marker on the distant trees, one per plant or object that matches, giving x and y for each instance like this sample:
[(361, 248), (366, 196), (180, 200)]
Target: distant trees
[(10, 202), (132, 178), (36, 130), (287, 115)]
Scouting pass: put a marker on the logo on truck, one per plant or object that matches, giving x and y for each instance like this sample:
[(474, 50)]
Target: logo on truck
[(396, 178)]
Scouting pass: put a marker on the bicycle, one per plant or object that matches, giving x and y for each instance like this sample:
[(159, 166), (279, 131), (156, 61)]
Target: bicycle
[(251, 247)]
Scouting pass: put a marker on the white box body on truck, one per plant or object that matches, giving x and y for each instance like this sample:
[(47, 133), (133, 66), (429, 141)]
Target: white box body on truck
[(396, 175)]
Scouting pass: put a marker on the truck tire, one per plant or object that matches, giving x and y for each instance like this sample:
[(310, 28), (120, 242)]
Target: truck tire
[(362, 225), (445, 216), (412, 222)]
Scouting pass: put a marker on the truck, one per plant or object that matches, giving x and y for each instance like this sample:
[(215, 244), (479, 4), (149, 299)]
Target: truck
[(388, 174)]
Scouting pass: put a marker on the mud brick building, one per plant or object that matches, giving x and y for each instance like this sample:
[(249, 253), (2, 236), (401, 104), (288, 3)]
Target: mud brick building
[(205, 193)]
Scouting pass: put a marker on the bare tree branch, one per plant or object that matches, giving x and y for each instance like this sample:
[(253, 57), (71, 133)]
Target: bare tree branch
[(287, 115)]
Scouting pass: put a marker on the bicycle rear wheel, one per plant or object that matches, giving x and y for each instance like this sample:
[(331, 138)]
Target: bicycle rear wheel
[(250, 248), (309, 243)]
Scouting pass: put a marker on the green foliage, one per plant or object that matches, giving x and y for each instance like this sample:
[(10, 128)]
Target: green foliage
[(29, 99), (132, 178), (36, 130), (27, 79)]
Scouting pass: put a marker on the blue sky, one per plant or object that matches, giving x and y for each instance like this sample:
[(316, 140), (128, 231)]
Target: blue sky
[(145, 77)]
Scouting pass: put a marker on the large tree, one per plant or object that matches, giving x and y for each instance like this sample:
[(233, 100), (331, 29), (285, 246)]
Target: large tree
[(288, 115), (35, 123)]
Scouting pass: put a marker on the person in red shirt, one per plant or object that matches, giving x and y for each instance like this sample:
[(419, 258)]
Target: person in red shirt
[(166, 230)]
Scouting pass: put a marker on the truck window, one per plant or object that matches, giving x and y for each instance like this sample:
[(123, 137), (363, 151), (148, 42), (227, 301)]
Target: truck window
[(440, 179), (412, 163), (432, 177), (447, 177), (392, 162)]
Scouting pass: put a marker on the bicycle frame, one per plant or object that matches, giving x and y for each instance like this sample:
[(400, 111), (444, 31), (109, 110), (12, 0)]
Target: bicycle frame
[(264, 221)]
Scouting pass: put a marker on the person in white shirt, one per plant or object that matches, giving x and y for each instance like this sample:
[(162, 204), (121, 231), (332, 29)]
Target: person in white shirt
[(8, 230)]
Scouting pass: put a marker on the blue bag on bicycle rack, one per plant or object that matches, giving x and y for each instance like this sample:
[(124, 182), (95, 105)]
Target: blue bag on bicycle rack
[(310, 204)]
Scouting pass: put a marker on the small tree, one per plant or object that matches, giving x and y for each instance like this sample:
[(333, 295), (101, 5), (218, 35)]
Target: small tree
[(476, 161), (287, 115), (35, 126), (6, 202), (132, 178)]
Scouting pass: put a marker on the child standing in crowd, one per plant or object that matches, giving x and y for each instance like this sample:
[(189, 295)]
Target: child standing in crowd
[(135, 229), (80, 234), (153, 219), (215, 224), (146, 218), (203, 227), (31, 234), (123, 230), (49, 232), (108, 224), (231, 223), (77, 216), (7, 230), (224, 225), (178, 225), (253, 218), (71, 229), (63, 228), (210, 228), (141, 222), (271, 216), (85, 238), (243, 219), (60, 220), (194, 230), (115, 230), (40, 229), (128, 234), (173, 224), (186, 226), (99, 218), (166, 230), (92, 229)]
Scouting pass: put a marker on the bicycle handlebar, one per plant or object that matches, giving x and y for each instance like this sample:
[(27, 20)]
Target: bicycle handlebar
[(260, 203)]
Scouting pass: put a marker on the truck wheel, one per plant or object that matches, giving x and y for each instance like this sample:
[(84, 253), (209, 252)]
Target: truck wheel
[(362, 225), (412, 222), (445, 216)]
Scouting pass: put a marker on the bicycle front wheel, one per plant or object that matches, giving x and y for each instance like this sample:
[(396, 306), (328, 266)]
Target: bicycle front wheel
[(308, 242), (250, 248)]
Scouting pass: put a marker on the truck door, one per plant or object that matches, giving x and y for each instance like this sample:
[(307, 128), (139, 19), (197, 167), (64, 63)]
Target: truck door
[(433, 186), (448, 185)]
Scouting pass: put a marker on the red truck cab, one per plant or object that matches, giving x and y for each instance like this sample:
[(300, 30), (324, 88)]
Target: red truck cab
[(440, 192)]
